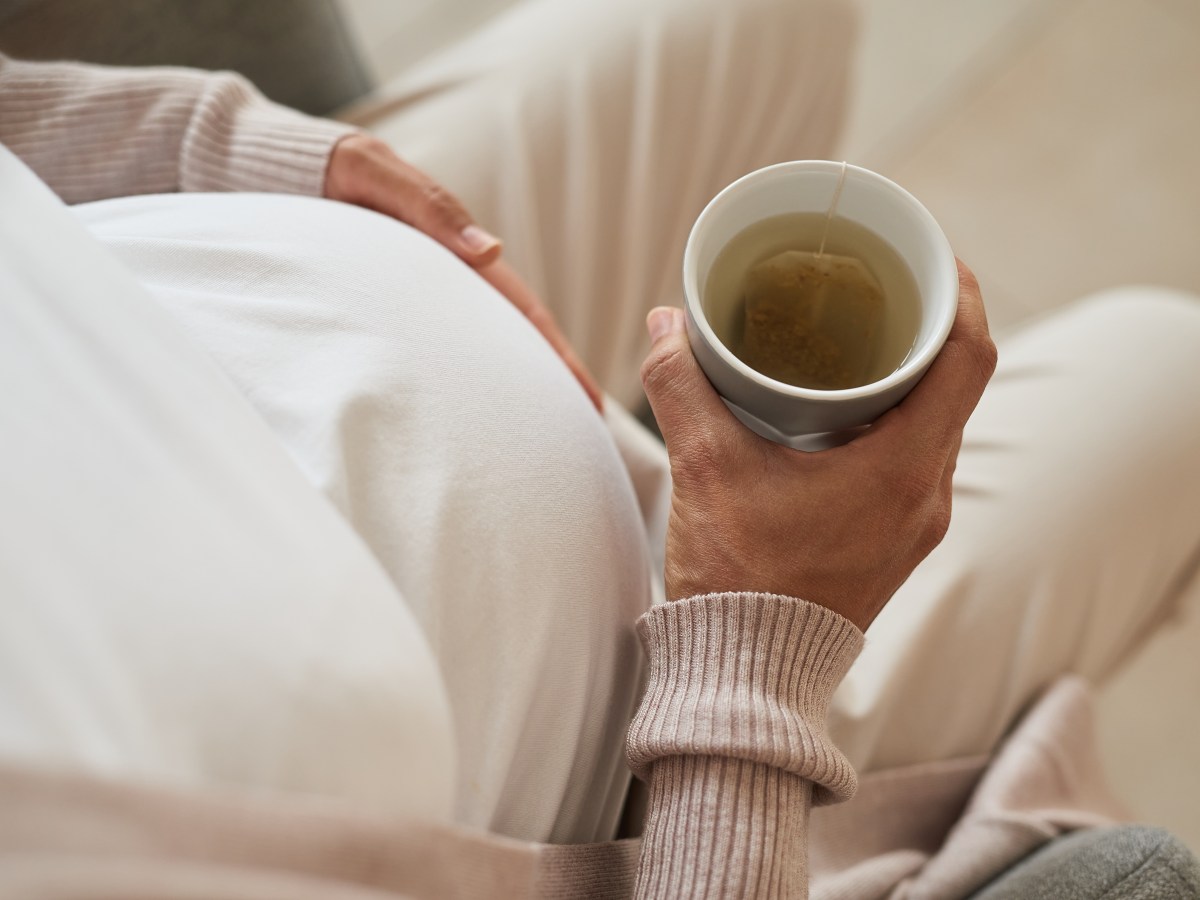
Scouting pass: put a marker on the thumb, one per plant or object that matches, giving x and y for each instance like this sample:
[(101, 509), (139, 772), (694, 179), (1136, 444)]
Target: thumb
[(684, 402)]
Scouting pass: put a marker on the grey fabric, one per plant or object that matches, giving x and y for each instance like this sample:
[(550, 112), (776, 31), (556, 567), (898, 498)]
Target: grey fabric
[(1132, 862), (297, 52)]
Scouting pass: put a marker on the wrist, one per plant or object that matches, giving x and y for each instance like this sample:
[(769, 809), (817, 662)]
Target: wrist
[(856, 606), (758, 671), (348, 158)]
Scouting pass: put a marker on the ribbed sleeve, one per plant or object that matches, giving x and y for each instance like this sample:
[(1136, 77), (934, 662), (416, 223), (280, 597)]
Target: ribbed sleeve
[(240, 141), (93, 132), (730, 736)]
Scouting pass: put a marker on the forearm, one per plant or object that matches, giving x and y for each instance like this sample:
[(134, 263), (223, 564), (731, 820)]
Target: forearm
[(730, 736), (93, 132)]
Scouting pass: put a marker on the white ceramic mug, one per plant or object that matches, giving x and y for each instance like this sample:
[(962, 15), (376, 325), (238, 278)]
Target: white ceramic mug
[(806, 418)]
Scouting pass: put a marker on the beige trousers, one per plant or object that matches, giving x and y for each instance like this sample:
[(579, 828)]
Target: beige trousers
[(1075, 532)]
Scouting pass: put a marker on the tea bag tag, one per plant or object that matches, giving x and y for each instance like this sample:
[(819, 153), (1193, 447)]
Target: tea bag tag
[(812, 318)]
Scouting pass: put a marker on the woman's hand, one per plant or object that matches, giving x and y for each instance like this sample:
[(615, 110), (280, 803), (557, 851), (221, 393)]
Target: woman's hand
[(364, 170), (843, 527)]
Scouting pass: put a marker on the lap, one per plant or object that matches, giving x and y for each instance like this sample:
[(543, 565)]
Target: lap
[(459, 447), (1076, 523)]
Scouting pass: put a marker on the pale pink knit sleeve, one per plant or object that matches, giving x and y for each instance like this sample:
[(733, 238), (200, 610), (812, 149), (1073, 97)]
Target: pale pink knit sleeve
[(93, 132), (730, 737)]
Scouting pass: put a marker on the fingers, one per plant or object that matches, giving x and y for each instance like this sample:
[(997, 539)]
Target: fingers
[(578, 369), (415, 198), (364, 170), (684, 402), (960, 375), (943, 504), (938, 407), (544, 322), (503, 278)]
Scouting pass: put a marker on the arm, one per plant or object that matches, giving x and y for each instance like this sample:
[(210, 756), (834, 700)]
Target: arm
[(93, 132), (730, 734), (731, 741)]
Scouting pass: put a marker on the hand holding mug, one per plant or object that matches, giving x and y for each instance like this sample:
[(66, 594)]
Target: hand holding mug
[(842, 527)]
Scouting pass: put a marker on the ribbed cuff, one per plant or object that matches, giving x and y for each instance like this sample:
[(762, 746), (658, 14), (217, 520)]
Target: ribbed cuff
[(745, 676), (724, 828), (240, 141)]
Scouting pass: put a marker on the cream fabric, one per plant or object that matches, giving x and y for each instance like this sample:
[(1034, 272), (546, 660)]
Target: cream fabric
[(919, 832), (452, 439), (940, 830), (176, 603), (1076, 527)]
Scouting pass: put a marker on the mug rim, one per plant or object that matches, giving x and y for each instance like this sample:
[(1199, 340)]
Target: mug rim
[(916, 362)]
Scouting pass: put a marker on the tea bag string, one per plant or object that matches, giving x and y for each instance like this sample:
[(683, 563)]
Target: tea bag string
[(837, 195)]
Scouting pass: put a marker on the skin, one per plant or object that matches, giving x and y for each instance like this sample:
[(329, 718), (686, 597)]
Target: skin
[(843, 527), (365, 171)]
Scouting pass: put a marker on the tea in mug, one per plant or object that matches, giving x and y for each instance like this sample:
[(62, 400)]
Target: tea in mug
[(814, 300)]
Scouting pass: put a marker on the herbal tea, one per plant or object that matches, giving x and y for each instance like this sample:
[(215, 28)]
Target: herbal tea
[(827, 316)]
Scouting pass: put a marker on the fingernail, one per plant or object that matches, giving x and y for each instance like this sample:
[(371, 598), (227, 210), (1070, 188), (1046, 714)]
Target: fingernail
[(660, 323), (478, 241)]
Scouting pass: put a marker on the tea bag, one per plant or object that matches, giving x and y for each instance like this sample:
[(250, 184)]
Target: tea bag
[(812, 319)]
